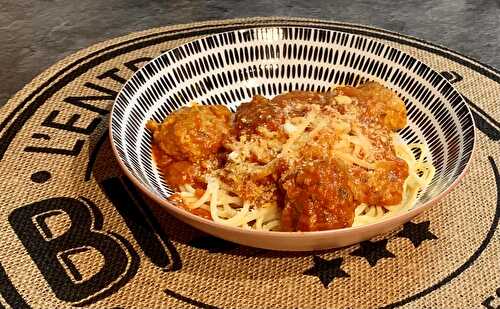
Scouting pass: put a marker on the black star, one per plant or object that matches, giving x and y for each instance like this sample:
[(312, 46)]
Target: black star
[(373, 251), (325, 270), (417, 232), (212, 244)]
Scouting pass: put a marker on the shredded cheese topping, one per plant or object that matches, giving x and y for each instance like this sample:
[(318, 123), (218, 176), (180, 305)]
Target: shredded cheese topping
[(350, 146)]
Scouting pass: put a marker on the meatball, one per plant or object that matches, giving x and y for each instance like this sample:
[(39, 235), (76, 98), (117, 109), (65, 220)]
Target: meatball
[(382, 186), (272, 113), (186, 144), (302, 97), (192, 133), (317, 197), (258, 112), (377, 103)]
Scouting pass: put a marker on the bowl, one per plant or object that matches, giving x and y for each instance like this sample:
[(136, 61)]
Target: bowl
[(230, 67)]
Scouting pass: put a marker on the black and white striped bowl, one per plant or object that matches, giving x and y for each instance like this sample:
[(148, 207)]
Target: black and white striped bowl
[(229, 68)]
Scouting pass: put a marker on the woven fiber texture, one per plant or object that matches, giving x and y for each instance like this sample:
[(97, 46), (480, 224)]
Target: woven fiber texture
[(76, 233)]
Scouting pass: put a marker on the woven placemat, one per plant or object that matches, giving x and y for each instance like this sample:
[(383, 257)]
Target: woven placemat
[(76, 233)]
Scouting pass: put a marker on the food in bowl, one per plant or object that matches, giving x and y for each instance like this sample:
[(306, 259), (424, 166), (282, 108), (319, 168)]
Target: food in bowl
[(301, 161)]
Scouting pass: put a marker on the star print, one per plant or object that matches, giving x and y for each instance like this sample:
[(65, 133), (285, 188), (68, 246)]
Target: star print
[(373, 251), (212, 244), (417, 232), (326, 270)]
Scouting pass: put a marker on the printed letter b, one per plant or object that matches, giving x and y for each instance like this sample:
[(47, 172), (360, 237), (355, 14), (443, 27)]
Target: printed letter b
[(53, 251)]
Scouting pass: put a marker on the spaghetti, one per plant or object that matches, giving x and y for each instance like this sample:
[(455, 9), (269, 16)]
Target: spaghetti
[(302, 161)]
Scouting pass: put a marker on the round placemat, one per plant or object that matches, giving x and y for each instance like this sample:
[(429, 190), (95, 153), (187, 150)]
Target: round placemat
[(76, 233)]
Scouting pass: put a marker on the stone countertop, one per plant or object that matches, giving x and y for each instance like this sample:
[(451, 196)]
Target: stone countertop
[(37, 33)]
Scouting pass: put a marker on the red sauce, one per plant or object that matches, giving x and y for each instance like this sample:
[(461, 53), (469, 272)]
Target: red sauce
[(259, 112), (317, 194), (379, 105), (186, 145), (262, 112), (383, 186), (317, 197)]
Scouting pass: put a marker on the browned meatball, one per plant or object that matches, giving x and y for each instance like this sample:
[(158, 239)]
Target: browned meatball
[(258, 112), (378, 103), (186, 144), (382, 186), (302, 97), (317, 197), (272, 113), (192, 133)]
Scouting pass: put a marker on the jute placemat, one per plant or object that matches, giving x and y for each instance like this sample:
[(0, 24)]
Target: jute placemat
[(75, 232)]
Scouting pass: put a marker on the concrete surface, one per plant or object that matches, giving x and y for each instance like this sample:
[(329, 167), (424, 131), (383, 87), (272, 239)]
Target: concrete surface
[(36, 33)]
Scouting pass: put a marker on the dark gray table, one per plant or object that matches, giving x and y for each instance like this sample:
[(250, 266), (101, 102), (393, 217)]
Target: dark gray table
[(36, 33)]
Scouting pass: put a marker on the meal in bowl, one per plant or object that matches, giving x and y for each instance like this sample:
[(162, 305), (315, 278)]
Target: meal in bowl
[(301, 161)]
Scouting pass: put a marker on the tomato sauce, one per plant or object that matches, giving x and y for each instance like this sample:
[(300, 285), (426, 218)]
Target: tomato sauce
[(316, 191)]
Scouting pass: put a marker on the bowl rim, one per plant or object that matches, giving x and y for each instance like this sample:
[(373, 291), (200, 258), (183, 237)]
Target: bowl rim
[(404, 215)]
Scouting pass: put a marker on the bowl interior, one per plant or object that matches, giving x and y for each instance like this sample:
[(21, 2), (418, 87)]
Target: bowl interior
[(229, 68)]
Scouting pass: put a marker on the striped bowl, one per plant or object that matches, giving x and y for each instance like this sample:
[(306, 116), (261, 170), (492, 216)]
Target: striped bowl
[(231, 67)]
